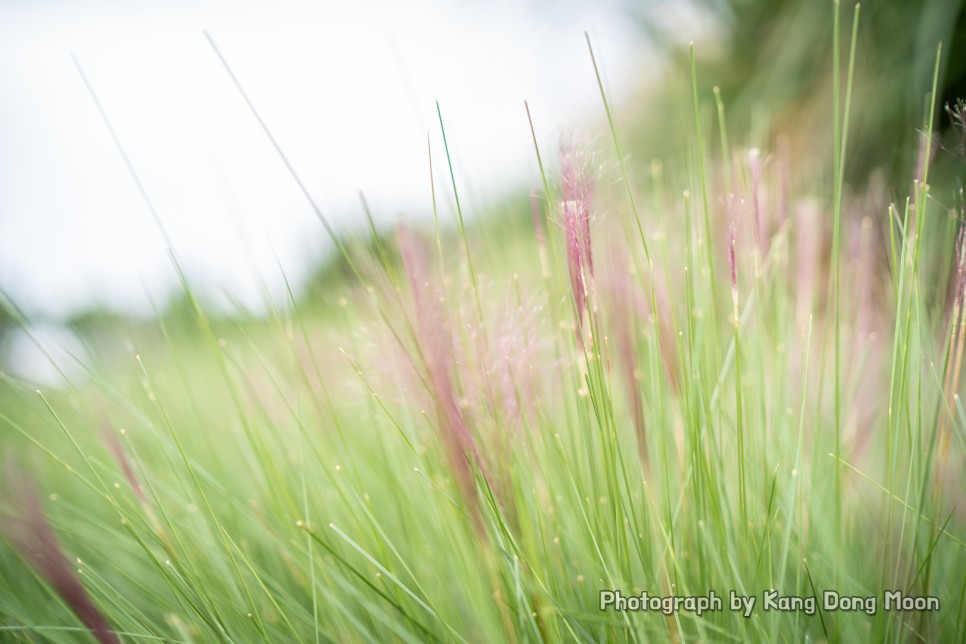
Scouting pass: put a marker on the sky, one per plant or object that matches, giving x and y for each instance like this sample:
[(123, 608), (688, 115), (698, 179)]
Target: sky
[(348, 89)]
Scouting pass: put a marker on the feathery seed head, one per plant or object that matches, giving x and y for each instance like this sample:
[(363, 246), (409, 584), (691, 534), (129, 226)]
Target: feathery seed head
[(576, 188), (434, 346)]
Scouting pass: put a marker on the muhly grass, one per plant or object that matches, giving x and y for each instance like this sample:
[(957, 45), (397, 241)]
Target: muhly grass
[(682, 378)]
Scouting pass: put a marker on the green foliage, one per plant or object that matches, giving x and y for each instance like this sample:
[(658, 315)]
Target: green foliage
[(458, 445)]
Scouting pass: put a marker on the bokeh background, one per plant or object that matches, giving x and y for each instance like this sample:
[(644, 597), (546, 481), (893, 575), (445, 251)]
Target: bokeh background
[(349, 91)]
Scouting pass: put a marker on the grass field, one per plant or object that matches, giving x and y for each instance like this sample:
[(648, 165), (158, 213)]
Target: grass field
[(698, 374)]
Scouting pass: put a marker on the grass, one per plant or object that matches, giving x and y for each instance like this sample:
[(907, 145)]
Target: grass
[(487, 424)]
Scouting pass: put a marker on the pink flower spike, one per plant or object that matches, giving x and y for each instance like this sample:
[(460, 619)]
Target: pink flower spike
[(574, 257), (114, 443), (434, 346), (576, 187), (29, 531)]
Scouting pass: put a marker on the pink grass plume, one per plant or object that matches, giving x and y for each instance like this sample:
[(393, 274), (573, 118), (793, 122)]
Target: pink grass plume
[(117, 450), (27, 528), (434, 345), (576, 188)]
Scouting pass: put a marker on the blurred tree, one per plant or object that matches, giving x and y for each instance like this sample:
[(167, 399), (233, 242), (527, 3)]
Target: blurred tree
[(774, 58)]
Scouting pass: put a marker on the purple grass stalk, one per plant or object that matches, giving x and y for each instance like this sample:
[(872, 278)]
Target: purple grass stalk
[(576, 187), (30, 532), (621, 299), (574, 262), (117, 450), (436, 351)]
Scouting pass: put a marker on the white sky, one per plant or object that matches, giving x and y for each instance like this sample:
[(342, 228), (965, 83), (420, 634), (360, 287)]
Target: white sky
[(328, 79)]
